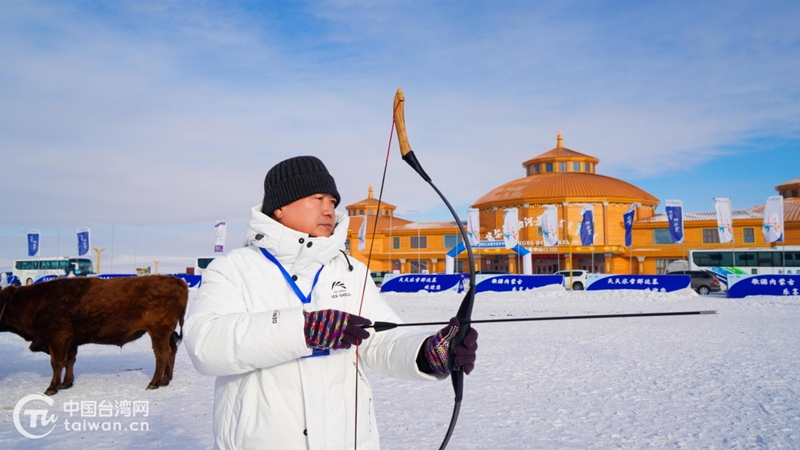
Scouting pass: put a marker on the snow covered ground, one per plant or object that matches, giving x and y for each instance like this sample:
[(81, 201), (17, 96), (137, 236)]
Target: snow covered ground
[(718, 381)]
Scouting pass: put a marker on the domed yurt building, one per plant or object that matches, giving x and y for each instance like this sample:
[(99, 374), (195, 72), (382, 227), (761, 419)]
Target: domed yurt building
[(568, 180)]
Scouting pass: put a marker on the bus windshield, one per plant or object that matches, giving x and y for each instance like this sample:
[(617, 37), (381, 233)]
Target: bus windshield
[(79, 266)]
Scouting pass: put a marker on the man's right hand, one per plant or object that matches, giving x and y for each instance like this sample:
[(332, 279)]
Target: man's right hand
[(334, 329)]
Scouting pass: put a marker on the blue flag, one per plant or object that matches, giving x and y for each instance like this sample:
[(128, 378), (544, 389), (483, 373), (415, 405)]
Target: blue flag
[(33, 242), (675, 218), (84, 241), (587, 225), (627, 217)]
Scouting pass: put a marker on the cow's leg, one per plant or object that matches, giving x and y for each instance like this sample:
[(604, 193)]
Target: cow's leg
[(173, 350), (58, 359), (162, 350), (69, 375)]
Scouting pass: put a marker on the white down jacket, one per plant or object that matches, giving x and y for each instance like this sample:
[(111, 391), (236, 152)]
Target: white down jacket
[(246, 328)]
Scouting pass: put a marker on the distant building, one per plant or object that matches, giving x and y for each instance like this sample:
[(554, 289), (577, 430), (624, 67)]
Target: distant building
[(651, 242), (568, 180)]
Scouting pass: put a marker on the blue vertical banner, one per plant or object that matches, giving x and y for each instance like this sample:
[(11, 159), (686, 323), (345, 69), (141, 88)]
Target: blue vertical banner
[(587, 225), (33, 242), (84, 241), (628, 217), (675, 219)]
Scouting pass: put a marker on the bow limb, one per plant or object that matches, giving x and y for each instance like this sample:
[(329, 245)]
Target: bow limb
[(464, 314)]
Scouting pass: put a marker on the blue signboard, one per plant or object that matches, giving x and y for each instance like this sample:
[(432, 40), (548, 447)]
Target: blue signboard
[(108, 276), (658, 283), (782, 285), (45, 278), (424, 282), (509, 283)]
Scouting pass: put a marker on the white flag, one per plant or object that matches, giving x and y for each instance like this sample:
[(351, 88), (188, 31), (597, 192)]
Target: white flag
[(474, 226), (773, 219), (220, 229), (362, 235), (724, 219), (511, 228), (549, 223)]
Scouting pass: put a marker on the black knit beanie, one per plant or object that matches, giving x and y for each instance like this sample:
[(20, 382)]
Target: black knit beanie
[(296, 178)]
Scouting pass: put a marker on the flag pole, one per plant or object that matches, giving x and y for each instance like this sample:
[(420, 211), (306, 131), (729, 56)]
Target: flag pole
[(733, 239)]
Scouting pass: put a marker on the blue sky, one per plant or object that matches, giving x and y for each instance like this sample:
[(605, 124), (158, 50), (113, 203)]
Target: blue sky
[(167, 115)]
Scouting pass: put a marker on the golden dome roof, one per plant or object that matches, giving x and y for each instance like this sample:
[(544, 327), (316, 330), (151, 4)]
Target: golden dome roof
[(558, 183), (565, 187)]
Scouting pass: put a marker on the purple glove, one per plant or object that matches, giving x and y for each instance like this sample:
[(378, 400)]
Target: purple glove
[(333, 329), (437, 348)]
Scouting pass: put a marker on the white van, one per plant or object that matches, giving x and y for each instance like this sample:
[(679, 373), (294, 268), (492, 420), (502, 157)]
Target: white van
[(578, 279)]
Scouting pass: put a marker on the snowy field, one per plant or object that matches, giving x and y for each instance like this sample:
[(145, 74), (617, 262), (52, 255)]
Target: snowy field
[(717, 381)]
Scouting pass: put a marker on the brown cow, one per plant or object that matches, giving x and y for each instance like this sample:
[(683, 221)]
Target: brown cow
[(58, 316)]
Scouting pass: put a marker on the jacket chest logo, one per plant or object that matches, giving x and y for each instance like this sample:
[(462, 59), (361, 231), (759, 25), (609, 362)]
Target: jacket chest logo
[(339, 290)]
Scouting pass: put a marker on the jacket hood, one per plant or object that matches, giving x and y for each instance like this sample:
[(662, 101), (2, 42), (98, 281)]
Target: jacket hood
[(282, 241)]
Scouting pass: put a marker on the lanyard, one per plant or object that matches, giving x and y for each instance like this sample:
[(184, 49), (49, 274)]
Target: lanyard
[(303, 298)]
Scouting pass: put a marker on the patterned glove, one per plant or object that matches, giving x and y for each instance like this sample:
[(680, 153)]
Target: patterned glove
[(437, 349), (333, 329)]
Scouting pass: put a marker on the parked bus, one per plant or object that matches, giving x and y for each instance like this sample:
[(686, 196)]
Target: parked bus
[(749, 261), (28, 271)]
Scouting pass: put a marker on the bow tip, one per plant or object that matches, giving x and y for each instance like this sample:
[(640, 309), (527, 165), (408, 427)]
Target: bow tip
[(399, 95)]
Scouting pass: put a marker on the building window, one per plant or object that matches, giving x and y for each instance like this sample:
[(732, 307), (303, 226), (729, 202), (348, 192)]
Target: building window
[(749, 235), (395, 242), (576, 167), (528, 169), (347, 246), (537, 168), (419, 241), (360, 212), (548, 167), (419, 266), (587, 168), (562, 167), (661, 236), (794, 192), (451, 241), (395, 266), (661, 265), (710, 236)]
